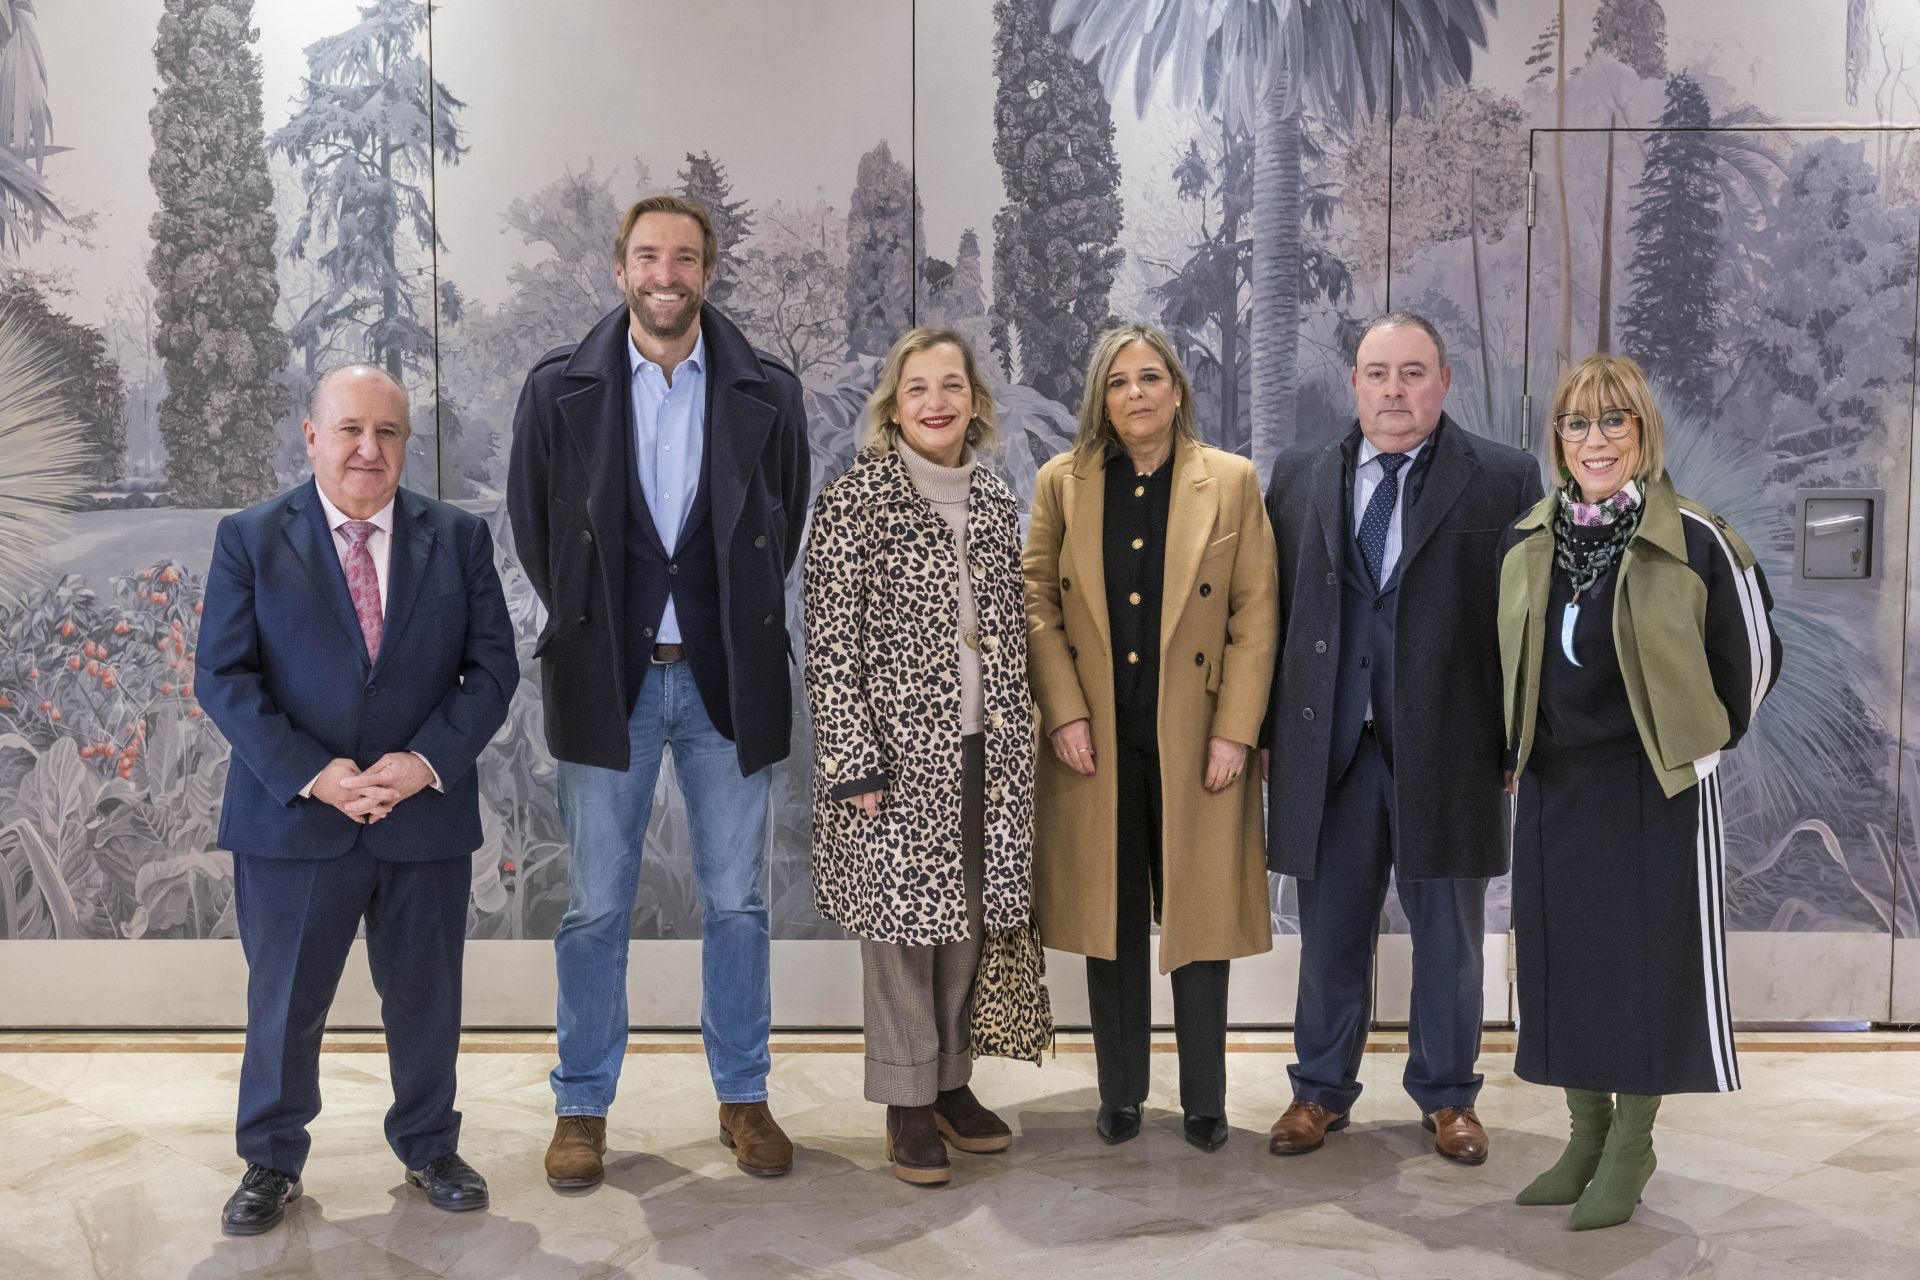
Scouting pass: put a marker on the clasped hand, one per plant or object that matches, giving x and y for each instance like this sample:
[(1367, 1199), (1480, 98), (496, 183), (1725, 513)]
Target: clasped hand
[(368, 795), (1073, 746)]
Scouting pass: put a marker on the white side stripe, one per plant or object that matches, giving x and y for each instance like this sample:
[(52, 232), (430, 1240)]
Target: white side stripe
[(1710, 871), (1759, 632)]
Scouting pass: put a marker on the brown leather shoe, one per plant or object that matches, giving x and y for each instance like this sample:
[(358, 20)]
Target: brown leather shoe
[(573, 1157), (760, 1147), (914, 1148), (1303, 1127), (968, 1125), (1457, 1135)]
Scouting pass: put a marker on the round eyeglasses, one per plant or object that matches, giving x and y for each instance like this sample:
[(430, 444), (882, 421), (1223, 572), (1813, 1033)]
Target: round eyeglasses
[(1614, 424)]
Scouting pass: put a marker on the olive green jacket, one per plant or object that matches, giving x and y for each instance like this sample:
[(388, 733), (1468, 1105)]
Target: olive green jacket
[(1661, 631)]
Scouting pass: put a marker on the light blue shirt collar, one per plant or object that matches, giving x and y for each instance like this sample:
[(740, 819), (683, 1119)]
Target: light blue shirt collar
[(696, 361)]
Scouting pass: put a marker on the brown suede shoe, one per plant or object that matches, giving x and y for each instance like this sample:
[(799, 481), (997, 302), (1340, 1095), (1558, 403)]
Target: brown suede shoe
[(1303, 1127), (573, 1157), (968, 1125), (758, 1144), (1457, 1135), (914, 1147)]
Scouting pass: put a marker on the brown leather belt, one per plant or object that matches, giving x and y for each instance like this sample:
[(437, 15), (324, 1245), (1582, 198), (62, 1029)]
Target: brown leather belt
[(668, 654)]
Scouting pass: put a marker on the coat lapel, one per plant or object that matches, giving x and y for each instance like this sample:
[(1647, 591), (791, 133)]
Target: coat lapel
[(312, 541), (738, 421), (406, 567), (1452, 467), (1085, 509), (598, 413), (1330, 483), (1190, 516)]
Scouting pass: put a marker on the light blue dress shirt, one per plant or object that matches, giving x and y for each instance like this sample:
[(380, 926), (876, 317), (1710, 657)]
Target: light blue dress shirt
[(1366, 478), (669, 438)]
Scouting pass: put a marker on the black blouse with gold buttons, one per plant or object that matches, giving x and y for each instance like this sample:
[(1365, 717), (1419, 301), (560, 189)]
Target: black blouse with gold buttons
[(1134, 541)]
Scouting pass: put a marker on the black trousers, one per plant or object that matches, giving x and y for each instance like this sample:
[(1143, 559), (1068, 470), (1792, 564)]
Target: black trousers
[(1120, 991)]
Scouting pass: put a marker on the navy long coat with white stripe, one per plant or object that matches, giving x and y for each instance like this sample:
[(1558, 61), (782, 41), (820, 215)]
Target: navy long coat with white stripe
[(1617, 888)]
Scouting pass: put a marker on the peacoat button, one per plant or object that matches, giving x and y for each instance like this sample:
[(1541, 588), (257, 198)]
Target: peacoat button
[(1319, 646), (1379, 606), (1331, 579), (1306, 713), (647, 632), (1199, 659), (586, 535), (760, 541), (767, 621), (673, 568), (582, 620), (1206, 588)]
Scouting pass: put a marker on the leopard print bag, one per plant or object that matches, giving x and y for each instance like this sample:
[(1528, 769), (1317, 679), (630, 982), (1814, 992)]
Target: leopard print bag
[(1012, 1011)]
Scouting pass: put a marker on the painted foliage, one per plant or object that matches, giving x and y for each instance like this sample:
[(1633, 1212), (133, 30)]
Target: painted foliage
[(1256, 177)]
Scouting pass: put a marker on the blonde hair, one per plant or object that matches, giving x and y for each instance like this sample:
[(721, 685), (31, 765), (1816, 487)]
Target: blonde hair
[(882, 432), (1096, 431), (1610, 382)]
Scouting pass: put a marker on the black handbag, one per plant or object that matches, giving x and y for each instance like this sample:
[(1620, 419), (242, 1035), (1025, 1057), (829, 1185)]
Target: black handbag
[(1012, 1014)]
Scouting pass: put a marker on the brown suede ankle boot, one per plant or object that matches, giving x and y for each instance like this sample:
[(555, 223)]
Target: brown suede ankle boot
[(573, 1157), (915, 1148), (967, 1125)]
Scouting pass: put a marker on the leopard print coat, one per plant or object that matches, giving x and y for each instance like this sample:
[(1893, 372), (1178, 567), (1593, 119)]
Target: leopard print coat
[(883, 682)]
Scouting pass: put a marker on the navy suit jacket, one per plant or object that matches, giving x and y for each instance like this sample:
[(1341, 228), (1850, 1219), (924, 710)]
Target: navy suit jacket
[(282, 669)]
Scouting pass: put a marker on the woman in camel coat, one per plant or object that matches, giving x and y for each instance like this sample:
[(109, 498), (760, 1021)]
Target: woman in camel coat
[(1152, 626)]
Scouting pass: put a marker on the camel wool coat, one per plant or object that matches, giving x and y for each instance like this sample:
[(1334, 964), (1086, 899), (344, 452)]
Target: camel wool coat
[(1218, 630)]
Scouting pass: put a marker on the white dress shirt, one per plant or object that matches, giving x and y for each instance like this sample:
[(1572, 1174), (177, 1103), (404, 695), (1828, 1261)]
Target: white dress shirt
[(380, 548), (1367, 475)]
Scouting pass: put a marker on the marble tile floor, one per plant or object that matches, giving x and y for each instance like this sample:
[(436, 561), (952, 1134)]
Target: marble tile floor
[(116, 1154)]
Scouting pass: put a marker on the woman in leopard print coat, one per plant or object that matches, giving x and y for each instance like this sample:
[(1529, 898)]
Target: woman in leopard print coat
[(916, 675)]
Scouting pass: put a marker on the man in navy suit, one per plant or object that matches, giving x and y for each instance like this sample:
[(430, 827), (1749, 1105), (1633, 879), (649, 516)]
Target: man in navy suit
[(356, 651)]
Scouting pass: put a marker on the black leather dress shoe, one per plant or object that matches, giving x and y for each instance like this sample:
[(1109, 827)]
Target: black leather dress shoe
[(259, 1202), (451, 1184), (1118, 1124), (1209, 1133)]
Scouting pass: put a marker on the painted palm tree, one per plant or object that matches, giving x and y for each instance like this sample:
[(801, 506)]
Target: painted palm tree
[(1263, 65), (26, 204)]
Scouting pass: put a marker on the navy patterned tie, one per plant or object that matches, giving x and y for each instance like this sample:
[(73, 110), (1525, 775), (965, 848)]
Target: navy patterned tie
[(1379, 514)]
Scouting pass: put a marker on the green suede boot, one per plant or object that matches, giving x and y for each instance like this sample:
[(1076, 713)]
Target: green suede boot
[(1625, 1165), (1592, 1115)]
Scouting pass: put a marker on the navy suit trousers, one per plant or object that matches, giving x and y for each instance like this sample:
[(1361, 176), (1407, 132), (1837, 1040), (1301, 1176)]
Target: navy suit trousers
[(297, 920), (1339, 927)]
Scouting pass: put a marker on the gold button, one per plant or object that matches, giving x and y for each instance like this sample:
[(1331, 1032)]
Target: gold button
[(995, 793), (977, 572), (971, 639), (829, 765), (1132, 656), (989, 643), (996, 720), (1140, 491), (1139, 543), (1133, 597)]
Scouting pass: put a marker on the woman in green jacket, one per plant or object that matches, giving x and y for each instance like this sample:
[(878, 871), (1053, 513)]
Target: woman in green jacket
[(1635, 646)]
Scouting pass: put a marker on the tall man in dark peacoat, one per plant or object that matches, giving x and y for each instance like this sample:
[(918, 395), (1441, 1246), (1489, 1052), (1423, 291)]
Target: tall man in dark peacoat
[(355, 650), (1385, 727), (658, 490)]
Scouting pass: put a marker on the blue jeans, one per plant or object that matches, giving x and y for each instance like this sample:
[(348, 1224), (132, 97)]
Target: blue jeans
[(606, 814)]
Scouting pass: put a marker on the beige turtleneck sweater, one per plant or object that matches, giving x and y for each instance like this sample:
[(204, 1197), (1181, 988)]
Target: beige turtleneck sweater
[(946, 489)]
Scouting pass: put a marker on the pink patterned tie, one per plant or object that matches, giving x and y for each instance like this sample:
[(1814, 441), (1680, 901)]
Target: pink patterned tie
[(362, 584)]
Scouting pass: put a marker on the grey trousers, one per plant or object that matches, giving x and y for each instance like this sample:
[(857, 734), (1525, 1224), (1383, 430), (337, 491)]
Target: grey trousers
[(919, 1040)]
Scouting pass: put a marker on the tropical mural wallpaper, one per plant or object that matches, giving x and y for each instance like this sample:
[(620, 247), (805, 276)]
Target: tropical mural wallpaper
[(208, 203)]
